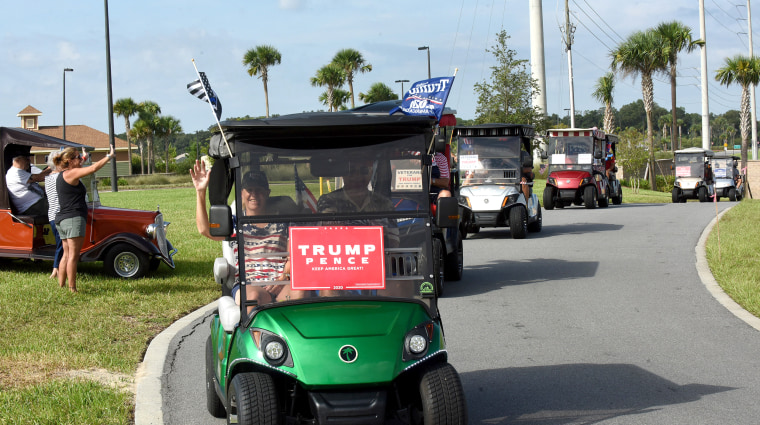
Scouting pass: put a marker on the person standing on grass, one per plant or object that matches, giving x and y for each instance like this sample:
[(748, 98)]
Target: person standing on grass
[(72, 215), (52, 195)]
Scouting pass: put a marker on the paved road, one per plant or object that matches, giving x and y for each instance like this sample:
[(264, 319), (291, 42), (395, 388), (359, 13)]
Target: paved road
[(600, 318)]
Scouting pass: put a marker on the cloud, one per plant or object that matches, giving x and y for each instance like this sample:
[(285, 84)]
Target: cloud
[(290, 4)]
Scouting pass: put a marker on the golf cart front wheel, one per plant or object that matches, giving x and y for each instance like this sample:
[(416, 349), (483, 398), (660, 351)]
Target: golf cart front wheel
[(589, 197), (518, 222), (252, 400), (676, 195), (549, 198), (442, 396), (213, 402), (732, 194)]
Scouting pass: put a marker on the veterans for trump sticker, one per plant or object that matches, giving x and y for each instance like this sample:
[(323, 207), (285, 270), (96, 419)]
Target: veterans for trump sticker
[(337, 257)]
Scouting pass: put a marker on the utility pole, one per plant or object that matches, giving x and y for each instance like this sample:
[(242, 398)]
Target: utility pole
[(705, 106), (537, 54), (752, 92), (569, 30)]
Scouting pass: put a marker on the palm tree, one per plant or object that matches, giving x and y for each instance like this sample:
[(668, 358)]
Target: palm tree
[(603, 93), (331, 76), (377, 93), (351, 61), (643, 53), (140, 131), (746, 72), (259, 60), (148, 114), (167, 125), (339, 99), (126, 107), (678, 38)]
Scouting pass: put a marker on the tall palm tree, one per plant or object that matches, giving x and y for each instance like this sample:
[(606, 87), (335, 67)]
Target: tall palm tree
[(603, 93), (140, 131), (167, 125), (351, 61), (331, 76), (643, 53), (678, 38), (259, 60), (746, 72), (126, 107), (377, 93), (148, 114)]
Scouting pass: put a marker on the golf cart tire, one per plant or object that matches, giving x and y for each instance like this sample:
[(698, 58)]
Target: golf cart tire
[(618, 198), (213, 402), (604, 202), (442, 396), (549, 198), (702, 194), (454, 265), (732, 194), (589, 197), (535, 226), (252, 400), (676, 195), (518, 222), (438, 264), (126, 261)]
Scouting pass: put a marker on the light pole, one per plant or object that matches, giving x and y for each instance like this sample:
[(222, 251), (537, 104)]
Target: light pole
[(428, 56), (402, 87), (64, 100)]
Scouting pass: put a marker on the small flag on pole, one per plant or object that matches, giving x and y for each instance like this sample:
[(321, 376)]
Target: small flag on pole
[(426, 97), (202, 90), (304, 197)]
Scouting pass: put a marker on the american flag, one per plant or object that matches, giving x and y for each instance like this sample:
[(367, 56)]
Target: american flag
[(202, 90), (304, 197)]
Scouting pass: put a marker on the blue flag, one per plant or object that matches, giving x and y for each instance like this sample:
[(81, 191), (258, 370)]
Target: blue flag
[(426, 97)]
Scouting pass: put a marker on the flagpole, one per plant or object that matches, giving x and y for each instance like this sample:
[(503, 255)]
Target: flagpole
[(437, 123), (212, 109)]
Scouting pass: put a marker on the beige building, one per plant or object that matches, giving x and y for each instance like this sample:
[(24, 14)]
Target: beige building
[(82, 134)]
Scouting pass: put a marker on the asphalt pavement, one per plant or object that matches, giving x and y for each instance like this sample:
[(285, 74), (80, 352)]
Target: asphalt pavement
[(159, 357)]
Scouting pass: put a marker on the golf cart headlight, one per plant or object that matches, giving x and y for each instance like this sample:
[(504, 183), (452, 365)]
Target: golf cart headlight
[(417, 344), (274, 350), (465, 201), (552, 181), (586, 180)]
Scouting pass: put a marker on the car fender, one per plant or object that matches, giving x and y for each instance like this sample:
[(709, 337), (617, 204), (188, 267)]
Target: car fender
[(98, 252)]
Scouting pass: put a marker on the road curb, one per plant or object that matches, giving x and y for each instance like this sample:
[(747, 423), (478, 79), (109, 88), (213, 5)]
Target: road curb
[(705, 275), (148, 397)]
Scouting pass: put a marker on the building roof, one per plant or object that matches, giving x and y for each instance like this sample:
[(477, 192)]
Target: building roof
[(84, 135), (29, 110)]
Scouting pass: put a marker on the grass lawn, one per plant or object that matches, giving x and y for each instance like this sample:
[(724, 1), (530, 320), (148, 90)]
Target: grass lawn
[(71, 358)]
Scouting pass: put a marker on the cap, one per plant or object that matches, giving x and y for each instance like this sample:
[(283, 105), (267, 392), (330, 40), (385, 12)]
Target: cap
[(255, 178)]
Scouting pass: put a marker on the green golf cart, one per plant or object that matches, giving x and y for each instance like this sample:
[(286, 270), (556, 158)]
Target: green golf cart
[(359, 338)]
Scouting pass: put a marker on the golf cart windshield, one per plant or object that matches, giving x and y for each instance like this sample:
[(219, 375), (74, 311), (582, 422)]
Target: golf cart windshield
[(489, 160), (723, 168), (345, 220), (570, 153), (690, 164)]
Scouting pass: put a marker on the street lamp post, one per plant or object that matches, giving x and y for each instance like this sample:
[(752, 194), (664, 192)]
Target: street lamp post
[(402, 87), (428, 57), (64, 100)]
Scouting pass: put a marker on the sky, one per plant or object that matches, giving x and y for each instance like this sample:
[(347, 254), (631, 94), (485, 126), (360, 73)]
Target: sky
[(153, 43)]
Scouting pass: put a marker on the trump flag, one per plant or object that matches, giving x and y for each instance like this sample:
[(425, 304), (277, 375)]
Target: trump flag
[(426, 97)]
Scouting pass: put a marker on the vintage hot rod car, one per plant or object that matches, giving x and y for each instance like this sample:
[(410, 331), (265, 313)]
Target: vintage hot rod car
[(128, 242)]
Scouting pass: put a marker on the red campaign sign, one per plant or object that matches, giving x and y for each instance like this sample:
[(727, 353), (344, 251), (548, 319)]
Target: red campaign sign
[(337, 257)]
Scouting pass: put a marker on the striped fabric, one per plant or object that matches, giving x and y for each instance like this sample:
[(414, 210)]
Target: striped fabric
[(52, 196), (270, 239)]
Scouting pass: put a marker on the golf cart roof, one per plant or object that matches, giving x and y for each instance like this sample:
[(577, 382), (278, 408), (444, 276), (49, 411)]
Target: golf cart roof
[(705, 152), (495, 129), (612, 138), (721, 154), (18, 141), (339, 129), (575, 132)]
